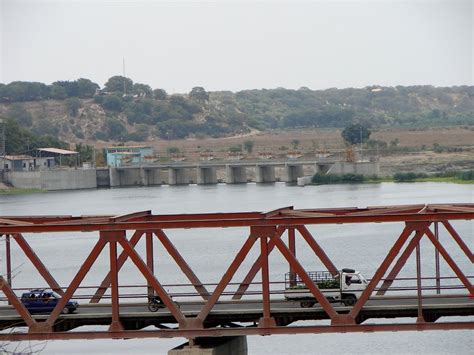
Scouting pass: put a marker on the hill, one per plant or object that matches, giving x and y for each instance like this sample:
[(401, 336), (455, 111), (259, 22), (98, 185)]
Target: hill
[(80, 111)]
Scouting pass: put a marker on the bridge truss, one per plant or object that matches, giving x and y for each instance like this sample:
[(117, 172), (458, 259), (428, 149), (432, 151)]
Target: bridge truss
[(275, 230)]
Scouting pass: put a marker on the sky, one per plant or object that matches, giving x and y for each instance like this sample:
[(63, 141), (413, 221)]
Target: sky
[(236, 45)]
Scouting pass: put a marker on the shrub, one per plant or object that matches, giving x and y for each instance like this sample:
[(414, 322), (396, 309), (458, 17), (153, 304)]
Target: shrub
[(337, 179)]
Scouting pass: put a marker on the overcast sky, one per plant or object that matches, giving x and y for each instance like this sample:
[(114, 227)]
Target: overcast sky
[(239, 45)]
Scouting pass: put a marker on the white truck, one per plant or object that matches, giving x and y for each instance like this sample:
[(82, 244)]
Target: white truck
[(345, 287)]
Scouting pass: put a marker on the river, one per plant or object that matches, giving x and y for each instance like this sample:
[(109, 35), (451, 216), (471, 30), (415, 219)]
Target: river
[(348, 246)]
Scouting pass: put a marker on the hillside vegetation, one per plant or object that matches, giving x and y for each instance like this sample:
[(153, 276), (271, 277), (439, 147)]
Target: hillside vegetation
[(80, 111)]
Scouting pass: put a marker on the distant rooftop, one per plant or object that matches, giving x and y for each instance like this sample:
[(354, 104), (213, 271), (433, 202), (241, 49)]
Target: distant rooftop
[(57, 151)]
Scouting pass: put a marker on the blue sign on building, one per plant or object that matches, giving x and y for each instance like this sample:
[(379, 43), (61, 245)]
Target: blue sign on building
[(131, 155)]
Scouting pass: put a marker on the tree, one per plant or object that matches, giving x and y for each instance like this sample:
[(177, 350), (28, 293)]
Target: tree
[(57, 92), (295, 143), (160, 94), (355, 133), (142, 90), (199, 94), (20, 115), (71, 87), (73, 105), (113, 103), (248, 146), (86, 88), (119, 84), (114, 128)]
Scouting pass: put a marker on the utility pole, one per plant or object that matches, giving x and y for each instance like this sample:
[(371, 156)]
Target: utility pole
[(123, 71), (360, 131), (2, 137)]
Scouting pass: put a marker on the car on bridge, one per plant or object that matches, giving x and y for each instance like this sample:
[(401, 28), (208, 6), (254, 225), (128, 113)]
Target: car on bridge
[(44, 301)]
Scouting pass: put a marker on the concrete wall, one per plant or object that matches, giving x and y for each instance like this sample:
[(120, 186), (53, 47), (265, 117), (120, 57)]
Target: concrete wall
[(206, 175), (103, 177), (213, 346), (236, 174), (265, 173), (293, 172), (363, 168), (53, 179)]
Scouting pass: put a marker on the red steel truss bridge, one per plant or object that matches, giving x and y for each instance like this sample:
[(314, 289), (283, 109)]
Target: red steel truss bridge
[(255, 304)]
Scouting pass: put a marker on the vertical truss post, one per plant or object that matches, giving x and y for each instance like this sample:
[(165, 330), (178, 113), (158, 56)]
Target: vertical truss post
[(264, 233), (420, 318), (121, 260), (292, 247), (438, 276), (8, 259), (112, 238), (150, 260)]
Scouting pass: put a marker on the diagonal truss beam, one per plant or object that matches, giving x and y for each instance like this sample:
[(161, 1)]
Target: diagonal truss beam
[(450, 261), (400, 262), (239, 258), (317, 250), (306, 279), (407, 231), (16, 303), (37, 263), (257, 266), (146, 272), (459, 240), (183, 265), (76, 281), (120, 262)]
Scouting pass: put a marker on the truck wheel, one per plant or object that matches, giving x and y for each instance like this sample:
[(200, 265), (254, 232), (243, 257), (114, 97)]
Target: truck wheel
[(349, 300), (306, 304)]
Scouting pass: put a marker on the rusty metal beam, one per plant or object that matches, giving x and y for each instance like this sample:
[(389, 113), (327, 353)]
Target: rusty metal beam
[(226, 278), (400, 262), (15, 302), (222, 332), (114, 287), (317, 250), (450, 261), (37, 263), (459, 240), (76, 281), (121, 260), (146, 272), (382, 269), (150, 260), (306, 279), (183, 265), (254, 219), (244, 285)]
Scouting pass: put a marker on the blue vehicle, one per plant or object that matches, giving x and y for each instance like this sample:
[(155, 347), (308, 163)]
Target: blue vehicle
[(43, 301)]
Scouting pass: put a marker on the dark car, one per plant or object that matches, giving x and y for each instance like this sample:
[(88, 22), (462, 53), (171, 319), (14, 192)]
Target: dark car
[(44, 301)]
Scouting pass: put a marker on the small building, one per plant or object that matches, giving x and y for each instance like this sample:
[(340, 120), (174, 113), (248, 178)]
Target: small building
[(129, 155), (25, 163), (53, 153)]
